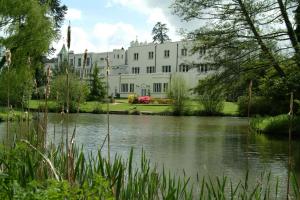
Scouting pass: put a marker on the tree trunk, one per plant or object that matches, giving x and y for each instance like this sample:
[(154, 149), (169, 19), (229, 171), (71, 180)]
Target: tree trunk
[(257, 36), (290, 31)]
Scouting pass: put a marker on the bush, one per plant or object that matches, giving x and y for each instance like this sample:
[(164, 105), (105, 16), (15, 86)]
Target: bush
[(263, 106), (278, 125), (212, 102), (211, 97), (20, 86), (98, 109), (132, 98), (162, 101), (144, 99), (178, 92), (78, 91)]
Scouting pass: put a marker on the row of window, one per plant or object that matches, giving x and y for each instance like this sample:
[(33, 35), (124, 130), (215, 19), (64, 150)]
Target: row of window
[(124, 87), (202, 51), (88, 62), (205, 67), (151, 69), (157, 87), (160, 87), (166, 54), (182, 68), (118, 56), (135, 70)]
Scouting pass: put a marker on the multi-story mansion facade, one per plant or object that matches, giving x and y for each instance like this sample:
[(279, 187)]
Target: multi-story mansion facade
[(145, 68)]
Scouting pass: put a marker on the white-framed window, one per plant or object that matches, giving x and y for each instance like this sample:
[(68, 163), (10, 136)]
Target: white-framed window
[(183, 68), (71, 62), (131, 87), (156, 87), (79, 62), (165, 88), (184, 52), (151, 69), (88, 61), (166, 68), (124, 87), (151, 55), (167, 53), (136, 56), (135, 70)]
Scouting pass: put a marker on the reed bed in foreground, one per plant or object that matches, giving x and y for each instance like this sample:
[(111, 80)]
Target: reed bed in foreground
[(28, 173)]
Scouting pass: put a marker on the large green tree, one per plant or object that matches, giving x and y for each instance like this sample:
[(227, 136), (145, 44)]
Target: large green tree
[(97, 89), (28, 27), (159, 33), (247, 36)]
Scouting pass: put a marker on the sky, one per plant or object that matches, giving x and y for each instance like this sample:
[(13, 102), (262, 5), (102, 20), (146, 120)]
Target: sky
[(104, 25)]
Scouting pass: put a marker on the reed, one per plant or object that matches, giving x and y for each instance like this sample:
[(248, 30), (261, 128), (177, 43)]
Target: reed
[(26, 170), (8, 62)]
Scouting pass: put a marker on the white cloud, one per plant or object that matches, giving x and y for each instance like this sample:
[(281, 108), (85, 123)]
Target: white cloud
[(108, 36), (117, 35), (153, 13), (103, 37), (73, 14)]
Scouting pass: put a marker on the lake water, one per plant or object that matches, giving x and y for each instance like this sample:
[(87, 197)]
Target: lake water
[(212, 146)]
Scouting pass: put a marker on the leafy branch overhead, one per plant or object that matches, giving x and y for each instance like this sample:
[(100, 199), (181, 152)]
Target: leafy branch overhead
[(261, 36)]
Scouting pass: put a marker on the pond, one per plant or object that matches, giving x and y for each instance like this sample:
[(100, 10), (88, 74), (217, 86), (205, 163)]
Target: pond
[(214, 146)]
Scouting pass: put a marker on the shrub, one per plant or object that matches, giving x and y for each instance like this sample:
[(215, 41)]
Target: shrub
[(263, 106), (20, 86), (162, 101), (277, 125), (132, 98), (144, 99), (78, 91), (211, 97), (178, 92), (212, 102)]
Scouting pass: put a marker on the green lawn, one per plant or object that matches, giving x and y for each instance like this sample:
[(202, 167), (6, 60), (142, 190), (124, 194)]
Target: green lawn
[(123, 105)]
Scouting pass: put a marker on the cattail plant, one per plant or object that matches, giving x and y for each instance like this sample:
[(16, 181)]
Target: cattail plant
[(68, 99), (69, 36), (47, 93), (84, 62), (290, 114), (107, 103), (249, 98), (8, 62)]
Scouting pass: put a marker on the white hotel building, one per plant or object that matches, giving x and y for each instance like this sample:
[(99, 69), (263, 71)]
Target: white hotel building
[(145, 68)]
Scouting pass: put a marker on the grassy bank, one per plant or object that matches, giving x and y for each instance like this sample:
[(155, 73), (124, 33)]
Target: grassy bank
[(122, 105), (277, 125), (14, 115)]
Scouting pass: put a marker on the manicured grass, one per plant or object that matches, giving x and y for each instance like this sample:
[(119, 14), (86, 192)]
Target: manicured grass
[(35, 104), (230, 108), (122, 105)]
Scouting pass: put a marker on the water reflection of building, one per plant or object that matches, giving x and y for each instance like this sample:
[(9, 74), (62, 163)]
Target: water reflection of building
[(144, 68)]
